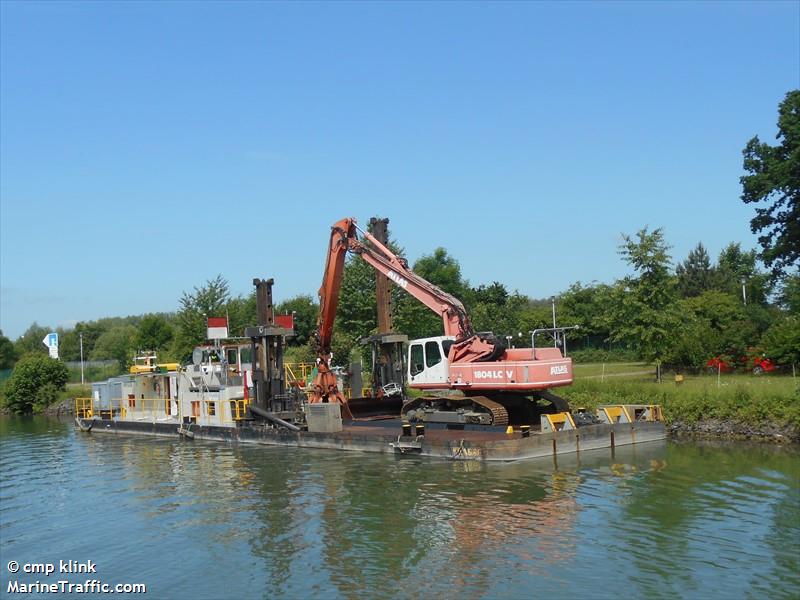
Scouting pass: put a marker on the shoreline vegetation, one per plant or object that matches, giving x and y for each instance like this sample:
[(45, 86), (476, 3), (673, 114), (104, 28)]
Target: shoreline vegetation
[(733, 406)]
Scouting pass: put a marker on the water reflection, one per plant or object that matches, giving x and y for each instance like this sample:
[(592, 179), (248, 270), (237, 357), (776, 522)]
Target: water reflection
[(655, 520)]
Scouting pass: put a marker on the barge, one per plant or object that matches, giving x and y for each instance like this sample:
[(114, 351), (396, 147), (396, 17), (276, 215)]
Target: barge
[(623, 425), (244, 393)]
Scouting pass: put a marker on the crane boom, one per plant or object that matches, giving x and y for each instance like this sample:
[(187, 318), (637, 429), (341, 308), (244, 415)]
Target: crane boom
[(468, 346), (341, 232)]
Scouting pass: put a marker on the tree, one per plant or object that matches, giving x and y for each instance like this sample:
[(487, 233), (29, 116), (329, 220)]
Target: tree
[(537, 314), (693, 343), (31, 340), (645, 315), (790, 294), (415, 319), (774, 180), (69, 344), (493, 308), (305, 311), (35, 383), (496, 294), (589, 307), (7, 354), (735, 266), (695, 274), (241, 312), (208, 300), (155, 333), (722, 323), (781, 342), (118, 343)]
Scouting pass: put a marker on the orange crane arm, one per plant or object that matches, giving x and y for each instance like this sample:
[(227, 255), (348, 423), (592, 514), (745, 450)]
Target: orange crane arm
[(468, 346), (341, 233), (450, 309)]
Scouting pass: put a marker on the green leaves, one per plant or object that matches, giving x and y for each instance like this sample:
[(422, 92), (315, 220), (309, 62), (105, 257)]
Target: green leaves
[(695, 274), (35, 383), (305, 311), (7, 354), (774, 180), (208, 300), (155, 333), (781, 342), (644, 313)]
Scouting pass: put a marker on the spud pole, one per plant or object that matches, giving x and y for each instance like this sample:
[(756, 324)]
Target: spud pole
[(81, 338)]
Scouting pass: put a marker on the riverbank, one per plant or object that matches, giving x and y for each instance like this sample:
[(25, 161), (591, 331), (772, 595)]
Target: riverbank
[(727, 429), (763, 408), (62, 408)]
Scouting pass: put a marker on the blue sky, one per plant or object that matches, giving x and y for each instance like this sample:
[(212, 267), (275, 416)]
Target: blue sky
[(146, 147)]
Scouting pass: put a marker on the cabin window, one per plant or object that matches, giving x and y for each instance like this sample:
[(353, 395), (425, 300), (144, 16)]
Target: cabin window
[(446, 345), (195, 408), (131, 402), (432, 354), (211, 408), (244, 354), (233, 357), (417, 359)]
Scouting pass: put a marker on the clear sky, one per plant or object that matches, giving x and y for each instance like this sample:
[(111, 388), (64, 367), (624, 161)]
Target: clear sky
[(146, 147)]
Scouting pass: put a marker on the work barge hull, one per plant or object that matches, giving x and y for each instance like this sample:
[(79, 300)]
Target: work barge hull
[(387, 437)]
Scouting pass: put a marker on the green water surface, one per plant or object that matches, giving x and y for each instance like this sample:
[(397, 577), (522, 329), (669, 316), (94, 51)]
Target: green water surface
[(200, 520)]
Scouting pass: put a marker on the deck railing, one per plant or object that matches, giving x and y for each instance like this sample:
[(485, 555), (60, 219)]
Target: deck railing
[(84, 408), (297, 374)]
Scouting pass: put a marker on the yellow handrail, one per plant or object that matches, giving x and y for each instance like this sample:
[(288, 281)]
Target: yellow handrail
[(239, 409), (84, 407), (148, 407), (297, 373)]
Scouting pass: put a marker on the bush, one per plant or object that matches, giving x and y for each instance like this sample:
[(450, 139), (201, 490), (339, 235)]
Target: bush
[(35, 383), (782, 341)]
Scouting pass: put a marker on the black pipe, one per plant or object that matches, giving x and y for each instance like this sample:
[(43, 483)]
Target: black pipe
[(270, 417)]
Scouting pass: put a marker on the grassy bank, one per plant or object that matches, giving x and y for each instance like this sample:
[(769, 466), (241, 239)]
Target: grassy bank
[(745, 400)]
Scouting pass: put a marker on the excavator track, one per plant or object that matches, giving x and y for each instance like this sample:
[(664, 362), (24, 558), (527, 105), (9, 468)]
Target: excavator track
[(495, 409), (499, 412)]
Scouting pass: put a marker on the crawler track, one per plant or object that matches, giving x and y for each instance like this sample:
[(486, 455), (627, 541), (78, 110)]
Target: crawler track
[(497, 410)]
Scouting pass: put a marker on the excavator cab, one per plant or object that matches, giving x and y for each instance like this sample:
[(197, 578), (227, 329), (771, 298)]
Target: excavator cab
[(428, 366)]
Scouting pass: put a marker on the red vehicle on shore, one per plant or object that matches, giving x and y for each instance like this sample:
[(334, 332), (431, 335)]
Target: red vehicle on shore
[(755, 363)]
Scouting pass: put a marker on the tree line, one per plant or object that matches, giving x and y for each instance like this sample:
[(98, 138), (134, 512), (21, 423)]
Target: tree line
[(684, 313)]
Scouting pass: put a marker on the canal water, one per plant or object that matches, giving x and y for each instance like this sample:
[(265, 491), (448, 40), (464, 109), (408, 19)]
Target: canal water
[(199, 520)]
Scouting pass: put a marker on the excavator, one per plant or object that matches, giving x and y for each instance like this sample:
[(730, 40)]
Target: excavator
[(498, 385)]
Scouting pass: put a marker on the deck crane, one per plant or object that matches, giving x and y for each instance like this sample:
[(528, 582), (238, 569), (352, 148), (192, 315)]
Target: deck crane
[(500, 385)]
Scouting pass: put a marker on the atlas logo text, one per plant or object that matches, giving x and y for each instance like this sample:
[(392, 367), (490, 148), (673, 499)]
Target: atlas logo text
[(397, 279), (559, 370)]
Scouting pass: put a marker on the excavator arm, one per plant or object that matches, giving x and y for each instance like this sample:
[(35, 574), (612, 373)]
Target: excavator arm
[(341, 234), (468, 346)]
